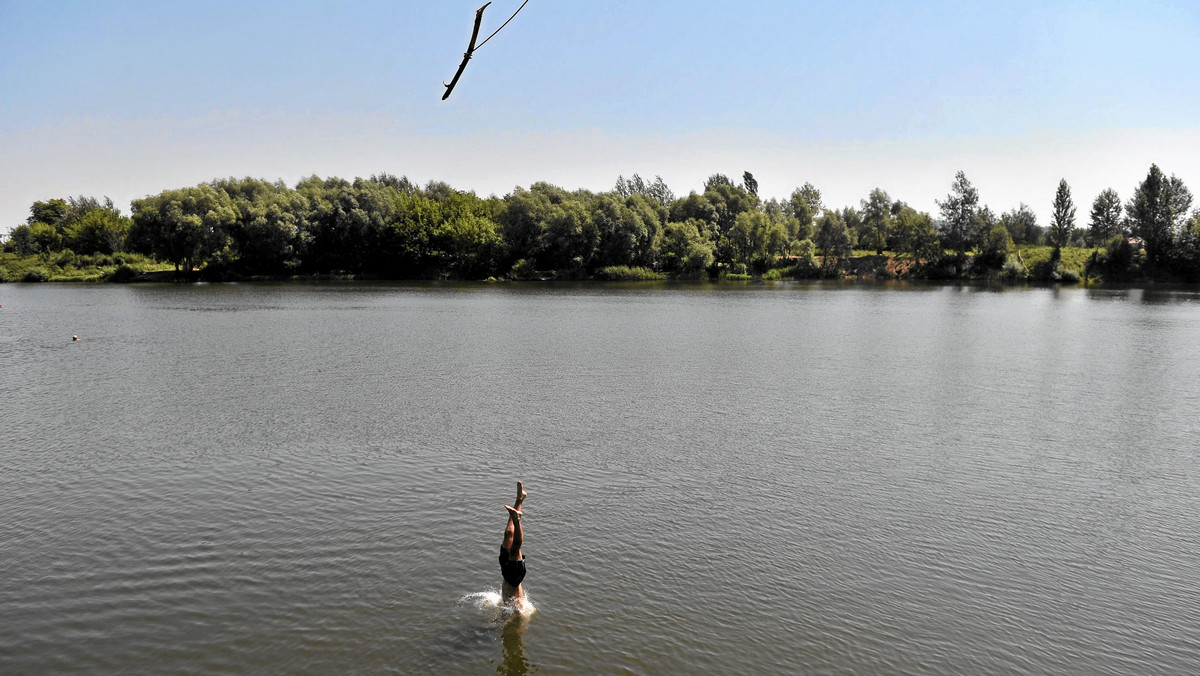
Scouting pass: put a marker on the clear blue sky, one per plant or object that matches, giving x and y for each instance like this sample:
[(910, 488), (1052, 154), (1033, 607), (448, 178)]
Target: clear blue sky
[(129, 98)]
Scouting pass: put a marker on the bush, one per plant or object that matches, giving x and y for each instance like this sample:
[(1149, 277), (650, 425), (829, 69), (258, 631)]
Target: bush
[(1053, 270), (1014, 270), (64, 258), (1067, 276), (942, 267), (123, 274), (624, 273), (97, 260), (806, 266), (523, 269), (36, 275)]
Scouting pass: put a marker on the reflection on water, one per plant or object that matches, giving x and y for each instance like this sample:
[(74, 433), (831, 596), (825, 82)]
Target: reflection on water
[(513, 639), (508, 623)]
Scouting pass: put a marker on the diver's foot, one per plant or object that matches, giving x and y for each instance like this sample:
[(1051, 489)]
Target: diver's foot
[(514, 513), (521, 495)]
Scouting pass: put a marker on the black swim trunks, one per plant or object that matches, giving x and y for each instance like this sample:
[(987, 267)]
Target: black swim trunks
[(513, 571)]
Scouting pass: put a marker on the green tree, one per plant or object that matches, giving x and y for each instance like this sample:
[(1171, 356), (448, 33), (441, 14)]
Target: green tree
[(1062, 223), (960, 219), (1022, 225), (993, 251), (854, 224), (628, 231), (749, 183), (1188, 249), (728, 200), (43, 238), (1156, 212), (833, 240), (801, 210), (755, 242), (466, 239), (656, 190), (21, 240), (264, 238), (685, 249), (522, 219), (915, 235), (810, 196), (1106, 218), (570, 237), (98, 231), (876, 226), (697, 208), (50, 212), (185, 227)]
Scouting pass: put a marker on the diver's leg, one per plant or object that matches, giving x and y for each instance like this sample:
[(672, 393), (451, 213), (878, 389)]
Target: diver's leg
[(510, 529), (513, 534)]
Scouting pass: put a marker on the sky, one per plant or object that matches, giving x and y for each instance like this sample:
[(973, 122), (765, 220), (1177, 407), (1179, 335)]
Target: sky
[(128, 98)]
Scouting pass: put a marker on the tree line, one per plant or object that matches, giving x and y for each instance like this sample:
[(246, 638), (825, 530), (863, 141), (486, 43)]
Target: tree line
[(388, 227)]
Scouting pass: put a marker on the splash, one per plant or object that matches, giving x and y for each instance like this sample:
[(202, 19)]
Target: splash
[(491, 601)]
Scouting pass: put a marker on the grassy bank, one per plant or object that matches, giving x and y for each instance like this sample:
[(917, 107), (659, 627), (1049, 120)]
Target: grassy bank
[(66, 266)]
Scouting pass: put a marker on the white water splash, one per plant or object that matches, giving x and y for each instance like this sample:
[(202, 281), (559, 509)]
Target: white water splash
[(491, 601)]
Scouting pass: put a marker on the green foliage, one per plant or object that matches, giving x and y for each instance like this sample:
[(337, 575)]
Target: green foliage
[(804, 260), (728, 201), (833, 240), (186, 226), (960, 211), (98, 231), (628, 231), (1022, 226), (876, 228), (736, 277), (43, 238), (36, 275), (993, 251), (1063, 220), (696, 208), (749, 183), (1105, 218), (624, 273), (1118, 261), (523, 269), (1187, 251), (754, 242), (49, 212), (1014, 271), (685, 249), (913, 234), (122, 274), (1044, 265), (1158, 209), (656, 191), (388, 227)]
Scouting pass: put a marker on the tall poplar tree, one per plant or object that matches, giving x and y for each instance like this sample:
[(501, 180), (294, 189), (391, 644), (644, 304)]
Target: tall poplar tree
[(1063, 221)]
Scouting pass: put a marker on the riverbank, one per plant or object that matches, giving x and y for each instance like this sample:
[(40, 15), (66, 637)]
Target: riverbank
[(1023, 265)]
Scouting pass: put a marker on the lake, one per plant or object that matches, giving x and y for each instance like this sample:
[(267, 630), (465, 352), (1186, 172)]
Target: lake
[(779, 478)]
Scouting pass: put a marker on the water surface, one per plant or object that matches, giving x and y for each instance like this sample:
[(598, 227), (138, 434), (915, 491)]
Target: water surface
[(786, 478)]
